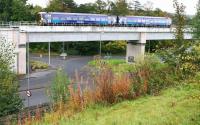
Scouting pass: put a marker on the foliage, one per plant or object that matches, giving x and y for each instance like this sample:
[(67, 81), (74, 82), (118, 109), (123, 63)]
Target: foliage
[(179, 105), (115, 47), (5, 9), (60, 88), (100, 6), (181, 53), (15, 10), (35, 65), (21, 11), (9, 97), (151, 76), (111, 62), (196, 23), (61, 6), (120, 8)]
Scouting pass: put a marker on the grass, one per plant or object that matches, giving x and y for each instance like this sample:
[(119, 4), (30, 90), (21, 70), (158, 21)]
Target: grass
[(117, 65), (174, 106), (108, 61)]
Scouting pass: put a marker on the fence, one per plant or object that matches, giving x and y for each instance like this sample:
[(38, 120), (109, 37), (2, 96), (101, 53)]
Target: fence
[(17, 24)]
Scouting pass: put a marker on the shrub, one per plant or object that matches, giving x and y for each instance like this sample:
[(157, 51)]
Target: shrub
[(38, 65), (60, 87), (122, 87), (151, 76), (10, 101), (104, 82), (116, 47)]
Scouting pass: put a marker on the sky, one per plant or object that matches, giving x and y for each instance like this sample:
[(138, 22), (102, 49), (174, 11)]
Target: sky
[(165, 5)]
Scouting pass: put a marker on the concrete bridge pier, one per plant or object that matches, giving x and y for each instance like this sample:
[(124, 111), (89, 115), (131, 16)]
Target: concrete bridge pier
[(22, 55), (136, 49)]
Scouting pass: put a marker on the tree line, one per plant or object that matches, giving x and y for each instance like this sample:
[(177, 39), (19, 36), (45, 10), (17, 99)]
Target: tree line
[(20, 10)]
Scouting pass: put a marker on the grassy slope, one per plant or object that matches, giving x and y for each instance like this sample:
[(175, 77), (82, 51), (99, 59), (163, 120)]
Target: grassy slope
[(177, 106)]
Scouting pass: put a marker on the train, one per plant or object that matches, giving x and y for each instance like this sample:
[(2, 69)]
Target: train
[(61, 18)]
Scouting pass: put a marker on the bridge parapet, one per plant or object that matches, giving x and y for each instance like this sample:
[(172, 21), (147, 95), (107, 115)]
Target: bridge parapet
[(92, 29)]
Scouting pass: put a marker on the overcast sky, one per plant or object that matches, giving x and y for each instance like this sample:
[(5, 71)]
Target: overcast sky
[(166, 5)]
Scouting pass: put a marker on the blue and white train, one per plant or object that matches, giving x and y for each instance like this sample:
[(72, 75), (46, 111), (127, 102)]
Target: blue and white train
[(58, 18)]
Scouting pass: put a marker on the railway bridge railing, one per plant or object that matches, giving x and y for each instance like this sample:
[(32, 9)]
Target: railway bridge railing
[(11, 24)]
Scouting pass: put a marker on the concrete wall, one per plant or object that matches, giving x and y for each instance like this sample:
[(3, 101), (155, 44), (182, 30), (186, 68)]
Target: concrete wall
[(136, 49), (92, 33), (19, 41)]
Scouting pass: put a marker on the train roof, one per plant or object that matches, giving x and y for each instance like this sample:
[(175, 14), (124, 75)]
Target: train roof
[(149, 17), (73, 13), (103, 15)]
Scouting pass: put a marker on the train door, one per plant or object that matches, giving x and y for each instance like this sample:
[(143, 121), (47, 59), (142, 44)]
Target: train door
[(123, 20), (48, 17), (111, 20)]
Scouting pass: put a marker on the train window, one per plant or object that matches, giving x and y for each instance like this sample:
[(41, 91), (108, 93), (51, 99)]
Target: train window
[(97, 19), (93, 19), (81, 18), (55, 18), (143, 21), (102, 19), (68, 18), (62, 18), (86, 19), (75, 18)]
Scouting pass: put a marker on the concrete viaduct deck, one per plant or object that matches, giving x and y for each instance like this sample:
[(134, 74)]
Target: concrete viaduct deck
[(135, 36)]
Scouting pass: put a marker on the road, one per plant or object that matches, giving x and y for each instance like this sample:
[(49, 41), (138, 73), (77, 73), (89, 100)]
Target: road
[(40, 81)]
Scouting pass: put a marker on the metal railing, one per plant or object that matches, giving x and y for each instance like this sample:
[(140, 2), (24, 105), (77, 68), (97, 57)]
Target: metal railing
[(17, 24)]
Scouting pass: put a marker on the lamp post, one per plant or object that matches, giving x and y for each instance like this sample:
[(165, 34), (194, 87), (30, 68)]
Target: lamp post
[(100, 42), (28, 70)]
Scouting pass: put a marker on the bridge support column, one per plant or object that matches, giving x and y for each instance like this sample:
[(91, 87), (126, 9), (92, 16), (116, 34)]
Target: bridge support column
[(22, 53), (136, 49)]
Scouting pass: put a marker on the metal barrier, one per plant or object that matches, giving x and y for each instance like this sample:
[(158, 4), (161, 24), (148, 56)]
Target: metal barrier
[(17, 24)]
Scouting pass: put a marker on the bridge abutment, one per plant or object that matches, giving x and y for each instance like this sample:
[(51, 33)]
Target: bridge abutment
[(136, 49)]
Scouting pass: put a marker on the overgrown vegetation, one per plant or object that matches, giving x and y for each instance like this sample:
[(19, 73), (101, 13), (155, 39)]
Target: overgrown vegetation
[(37, 65), (59, 91), (178, 105), (10, 101)]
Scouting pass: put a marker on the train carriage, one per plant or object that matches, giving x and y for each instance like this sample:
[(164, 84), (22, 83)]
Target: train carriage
[(58, 18), (147, 21), (73, 18)]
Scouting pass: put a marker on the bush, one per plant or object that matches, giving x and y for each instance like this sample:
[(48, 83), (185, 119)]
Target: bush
[(115, 47), (35, 65), (10, 101), (151, 75), (60, 87)]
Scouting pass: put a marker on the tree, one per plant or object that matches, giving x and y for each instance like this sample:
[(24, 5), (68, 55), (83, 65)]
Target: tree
[(182, 54), (86, 8), (120, 8), (15, 10), (21, 11), (135, 5), (5, 9), (196, 23), (180, 19), (10, 101), (115, 47), (61, 6), (100, 6), (148, 7)]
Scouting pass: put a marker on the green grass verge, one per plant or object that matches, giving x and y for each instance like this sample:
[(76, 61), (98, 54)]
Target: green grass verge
[(117, 65), (112, 62), (174, 106)]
